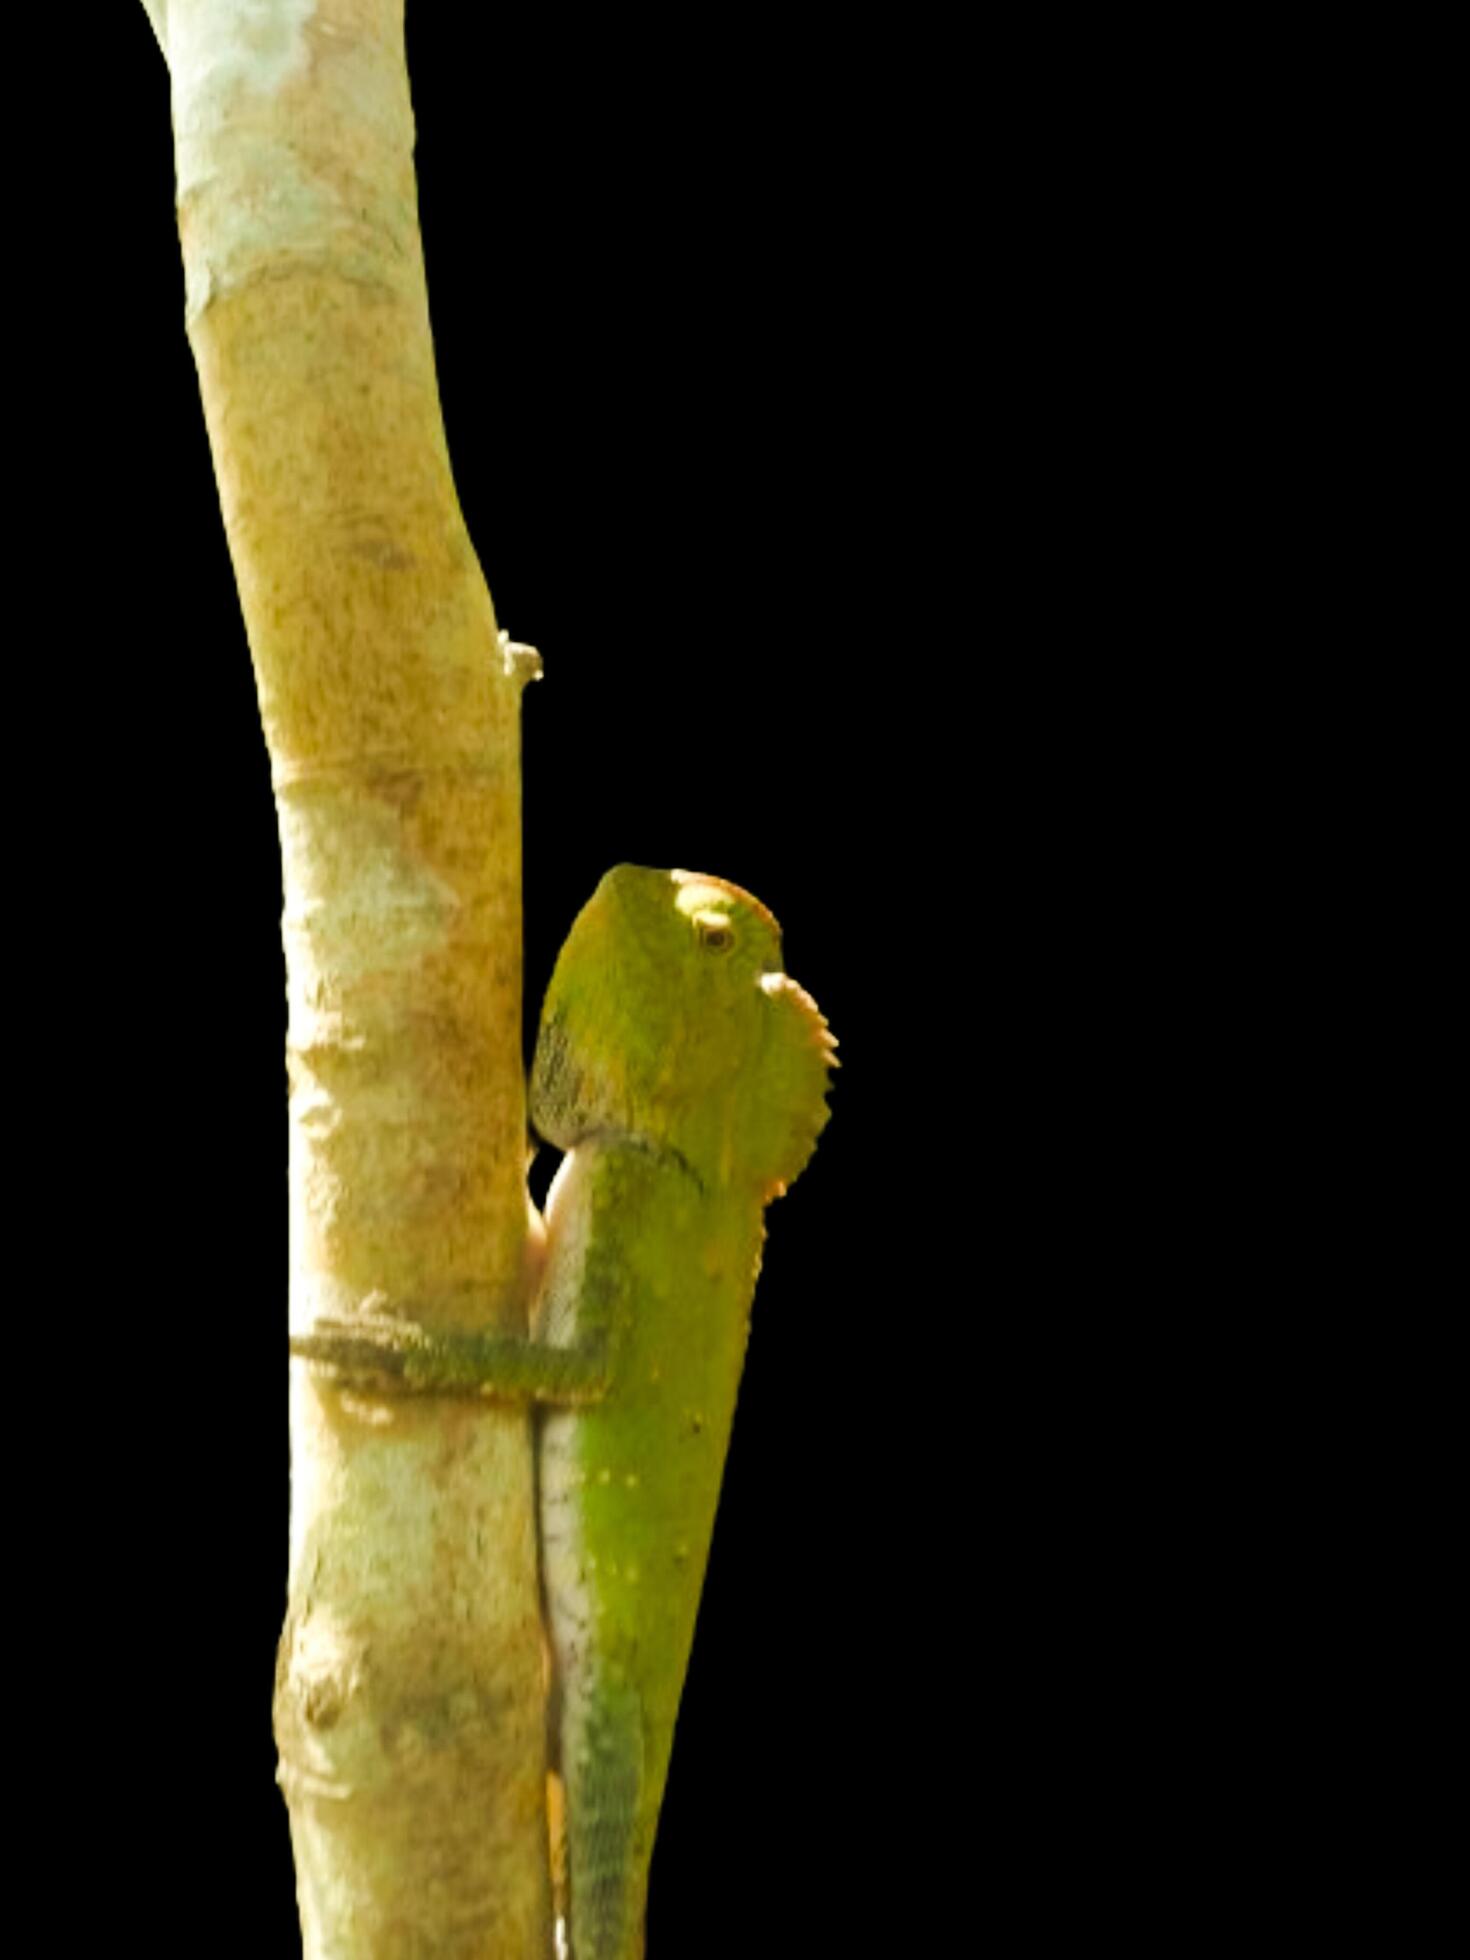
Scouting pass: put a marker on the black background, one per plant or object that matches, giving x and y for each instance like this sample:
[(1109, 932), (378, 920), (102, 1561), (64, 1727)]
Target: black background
[(893, 455), (668, 286), (822, 407)]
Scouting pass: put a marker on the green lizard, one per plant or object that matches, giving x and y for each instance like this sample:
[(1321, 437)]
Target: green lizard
[(685, 1076)]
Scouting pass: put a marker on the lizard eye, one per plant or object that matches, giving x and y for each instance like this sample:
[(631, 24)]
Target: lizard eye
[(715, 931)]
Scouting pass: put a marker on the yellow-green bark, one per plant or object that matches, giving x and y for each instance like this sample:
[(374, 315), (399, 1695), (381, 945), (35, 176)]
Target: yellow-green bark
[(409, 1702)]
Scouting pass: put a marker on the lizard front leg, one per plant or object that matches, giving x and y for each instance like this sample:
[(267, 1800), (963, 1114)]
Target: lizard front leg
[(383, 1354)]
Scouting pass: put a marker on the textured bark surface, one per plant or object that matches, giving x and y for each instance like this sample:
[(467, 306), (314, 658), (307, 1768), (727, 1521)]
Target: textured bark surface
[(409, 1705)]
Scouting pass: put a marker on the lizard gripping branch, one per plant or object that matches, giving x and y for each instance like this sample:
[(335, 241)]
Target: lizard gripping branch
[(685, 1076)]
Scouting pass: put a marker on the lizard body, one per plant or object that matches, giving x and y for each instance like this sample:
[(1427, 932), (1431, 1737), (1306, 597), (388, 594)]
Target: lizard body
[(685, 1076)]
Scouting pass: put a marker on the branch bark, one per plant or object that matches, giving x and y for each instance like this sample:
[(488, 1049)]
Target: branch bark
[(409, 1702)]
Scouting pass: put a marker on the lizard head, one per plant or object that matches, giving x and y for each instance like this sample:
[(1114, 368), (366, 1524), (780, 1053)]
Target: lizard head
[(669, 1018)]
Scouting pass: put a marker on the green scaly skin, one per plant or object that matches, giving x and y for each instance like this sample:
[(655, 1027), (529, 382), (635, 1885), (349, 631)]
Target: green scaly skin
[(685, 1077)]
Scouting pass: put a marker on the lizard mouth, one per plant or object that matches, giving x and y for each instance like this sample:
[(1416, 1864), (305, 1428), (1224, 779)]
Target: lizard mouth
[(799, 1103), (813, 1020)]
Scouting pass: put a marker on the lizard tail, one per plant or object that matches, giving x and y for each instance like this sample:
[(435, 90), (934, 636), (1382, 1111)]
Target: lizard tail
[(603, 1767)]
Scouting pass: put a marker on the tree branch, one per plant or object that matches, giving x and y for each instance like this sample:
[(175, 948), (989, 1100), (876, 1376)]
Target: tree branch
[(409, 1703)]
